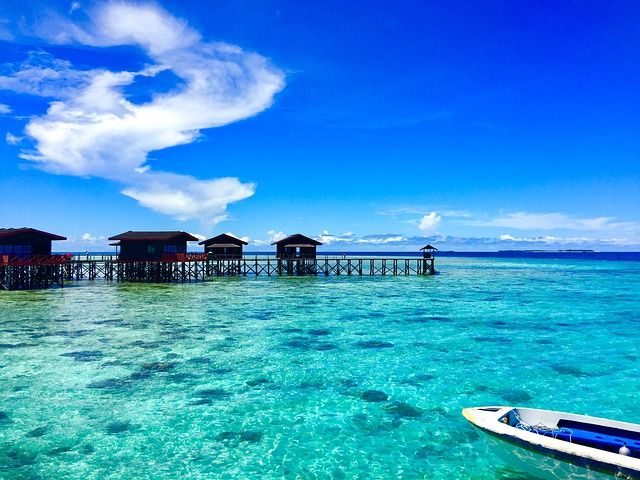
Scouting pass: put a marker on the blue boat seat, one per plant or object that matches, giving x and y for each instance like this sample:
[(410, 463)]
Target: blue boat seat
[(599, 436)]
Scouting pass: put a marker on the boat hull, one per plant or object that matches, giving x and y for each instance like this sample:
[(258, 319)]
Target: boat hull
[(547, 457), (541, 466)]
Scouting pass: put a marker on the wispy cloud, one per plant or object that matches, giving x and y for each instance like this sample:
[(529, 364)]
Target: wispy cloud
[(272, 236), (551, 221), (4, 109), (422, 210), (92, 128), (12, 139)]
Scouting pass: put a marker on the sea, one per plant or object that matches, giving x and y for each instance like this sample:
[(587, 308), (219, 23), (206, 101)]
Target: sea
[(310, 377)]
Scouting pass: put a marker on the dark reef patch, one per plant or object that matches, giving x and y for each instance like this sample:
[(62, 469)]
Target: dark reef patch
[(374, 396), (497, 339), (38, 432), (251, 436), (319, 332), (109, 383), (116, 427), (569, 370), (84, 355), (159, 366), (212, 394), (401, 409), (60, 449), (374, 344), (258, 381), (516, 395), (16, 345)]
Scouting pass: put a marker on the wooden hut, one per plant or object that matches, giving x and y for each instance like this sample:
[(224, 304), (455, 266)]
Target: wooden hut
[(152, 246), (296, 246), (26, 242), (224, 246), (428, 251)]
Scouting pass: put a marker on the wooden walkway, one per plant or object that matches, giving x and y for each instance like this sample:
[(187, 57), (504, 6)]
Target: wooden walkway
[(56, 269), (199, 269)]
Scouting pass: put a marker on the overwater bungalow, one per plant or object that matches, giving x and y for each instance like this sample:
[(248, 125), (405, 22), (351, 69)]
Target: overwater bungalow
[(223, 247), (152, 246), (26, 242), (296, 246)]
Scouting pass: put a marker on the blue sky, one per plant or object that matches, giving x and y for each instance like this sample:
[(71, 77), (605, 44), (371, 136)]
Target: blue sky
[(368, 125)]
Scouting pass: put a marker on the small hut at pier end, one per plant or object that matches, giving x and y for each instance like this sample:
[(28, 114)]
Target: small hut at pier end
[(224, 247), (152, 246), (26, 242), (428, 251), (296, 246)]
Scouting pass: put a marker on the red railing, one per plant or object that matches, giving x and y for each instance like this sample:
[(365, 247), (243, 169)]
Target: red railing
[(171, 258), (6, 260)]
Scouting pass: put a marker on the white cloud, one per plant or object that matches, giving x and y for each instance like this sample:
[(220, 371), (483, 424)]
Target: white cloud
[(272, 236), (327, 238), (45, 76), (12, 139), (4, 109), (381, 239), (93, 129), (90, 239), (244, 238), (185, 197), (551, 221), (429, 223)]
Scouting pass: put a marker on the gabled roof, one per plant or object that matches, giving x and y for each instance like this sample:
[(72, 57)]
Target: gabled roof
[(429, 247), (223, 239), (132, 236), (297, 240), (10, 232)]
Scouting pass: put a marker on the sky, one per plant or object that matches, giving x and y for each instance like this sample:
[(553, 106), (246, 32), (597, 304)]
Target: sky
[(368, 125)]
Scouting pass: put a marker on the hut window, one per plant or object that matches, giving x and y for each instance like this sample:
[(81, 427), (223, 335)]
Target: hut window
[(19, 250), (151, 249), (170, 249)]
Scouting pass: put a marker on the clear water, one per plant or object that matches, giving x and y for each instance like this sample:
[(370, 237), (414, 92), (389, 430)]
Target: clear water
[(308, 377)]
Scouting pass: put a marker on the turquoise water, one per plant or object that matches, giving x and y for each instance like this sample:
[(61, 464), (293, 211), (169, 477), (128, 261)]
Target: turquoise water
[(338, 377)]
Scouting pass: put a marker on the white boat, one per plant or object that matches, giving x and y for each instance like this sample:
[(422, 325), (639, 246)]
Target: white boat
[(556, 445)]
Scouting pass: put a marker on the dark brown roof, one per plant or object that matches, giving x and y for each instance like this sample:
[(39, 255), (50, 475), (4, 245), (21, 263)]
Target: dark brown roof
[(223, 240), (429, 247), (297, 240), (10, 232), (153, 236)]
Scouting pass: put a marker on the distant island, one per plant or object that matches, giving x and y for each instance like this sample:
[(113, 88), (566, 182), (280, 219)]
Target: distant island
[(548, 251)]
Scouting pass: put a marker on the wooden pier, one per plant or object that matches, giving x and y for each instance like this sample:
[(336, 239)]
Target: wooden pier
[(198, 267), (33, 273), (54, 270)]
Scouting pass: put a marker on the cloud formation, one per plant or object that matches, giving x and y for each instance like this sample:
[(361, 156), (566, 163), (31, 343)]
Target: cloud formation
[(551, 221), (92, 129), (429, 223)]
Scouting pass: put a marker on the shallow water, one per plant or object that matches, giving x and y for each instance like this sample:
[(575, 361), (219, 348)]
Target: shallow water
[(338, 377)]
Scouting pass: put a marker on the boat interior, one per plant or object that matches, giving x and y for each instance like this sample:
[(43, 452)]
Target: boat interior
[(577, 431)]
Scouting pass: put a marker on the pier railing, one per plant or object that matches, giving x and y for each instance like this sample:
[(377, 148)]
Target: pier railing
[(199, 267), (46, 271)]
